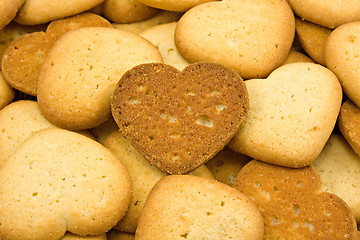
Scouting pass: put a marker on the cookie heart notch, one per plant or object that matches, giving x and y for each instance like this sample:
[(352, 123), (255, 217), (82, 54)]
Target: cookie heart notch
[(179, 120)]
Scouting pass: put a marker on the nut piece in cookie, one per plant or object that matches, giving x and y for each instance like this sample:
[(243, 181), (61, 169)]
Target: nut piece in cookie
[(179, 120)]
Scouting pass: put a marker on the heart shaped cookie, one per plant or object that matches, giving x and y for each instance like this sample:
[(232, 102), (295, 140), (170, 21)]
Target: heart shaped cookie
[(179, 120), (292, 114)]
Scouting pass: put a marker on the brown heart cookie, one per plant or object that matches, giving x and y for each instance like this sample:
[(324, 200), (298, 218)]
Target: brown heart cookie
[(179, 120)]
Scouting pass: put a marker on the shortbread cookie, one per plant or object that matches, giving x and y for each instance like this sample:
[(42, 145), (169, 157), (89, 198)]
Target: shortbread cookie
[(226, 165), (70, 236), (35, 12), (182, 206), (143, 177), (342, 51), (330, 13), (23, 59), (162, 36), (339, 170), (179, 120), (292, 205), (8, 10), (18, 121), (295, 56), (13, 31), (59, 181), (173, 5), (81, 70), (127, 11), (253, 43), (312, 38), (348, 122), (292, 114), (7, 93), (161, 18)]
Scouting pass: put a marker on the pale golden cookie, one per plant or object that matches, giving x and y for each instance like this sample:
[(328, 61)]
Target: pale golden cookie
[(8, 10), (182, 206), (162, 36), (7, 93), (329, 13), (161, 18), (59, 181), (35, 12), (342, 51), (127, 11), (295, 56), (312, 38), (339, 170), (18, 121), (23, 59), (173, 5), (348, 122), (81, 71), (70, 236), (143, 177), (292, 205), (179, 120), (292, 114), (238, 34), (226, 165)]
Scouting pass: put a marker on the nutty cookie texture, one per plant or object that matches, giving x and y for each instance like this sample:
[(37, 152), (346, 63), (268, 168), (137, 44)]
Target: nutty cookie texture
[(179, 120)]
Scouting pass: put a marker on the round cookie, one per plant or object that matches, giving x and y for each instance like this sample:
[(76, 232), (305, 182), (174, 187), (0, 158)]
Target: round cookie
[(328, 13), (179, 120), (292, 203), (173, 5), (127, 11), (8, 10), (312, 38), (59, 181), (348, 122), (7, 93), (81, 71), (292, 114), (162, 36), (182, 206), (250, 37), (143, 177), (295, 56), (342, 51), (339, 170), (35, 12), (70, 236), (161, 18)]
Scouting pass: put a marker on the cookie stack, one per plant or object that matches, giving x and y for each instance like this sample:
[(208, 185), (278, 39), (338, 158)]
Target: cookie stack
[(193, 119)]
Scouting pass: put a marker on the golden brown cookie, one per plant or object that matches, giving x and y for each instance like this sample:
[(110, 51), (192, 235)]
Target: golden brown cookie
[(189, 207), (226, 165), (348, 122), (312, 38), (59, 181), (179, 120), (118, 235), (8, 10), (176, 6), (81, 71), (7, 93), (295, 56), (127, 11), (70, 236), (23, 59), (292, 205)]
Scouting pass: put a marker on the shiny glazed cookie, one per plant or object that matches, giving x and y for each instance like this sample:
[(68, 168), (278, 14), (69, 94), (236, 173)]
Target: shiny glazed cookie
[(179, 120)]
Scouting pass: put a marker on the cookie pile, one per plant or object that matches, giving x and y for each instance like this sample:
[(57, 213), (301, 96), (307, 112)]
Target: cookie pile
[(193, 119)]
